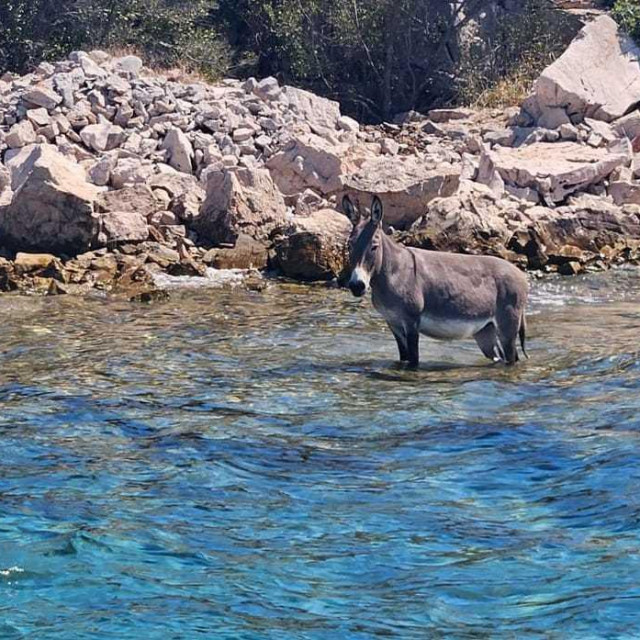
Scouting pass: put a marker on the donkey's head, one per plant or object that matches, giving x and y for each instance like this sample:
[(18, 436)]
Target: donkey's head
[(365, 254)]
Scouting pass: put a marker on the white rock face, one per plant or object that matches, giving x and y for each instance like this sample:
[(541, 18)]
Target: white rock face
[(180, 150), (309, 162), (102, 137), (240, 202), (43, 96), (312, 108), (20, 135), (405, 184), (52, 207), (598, 77), (554, 170)]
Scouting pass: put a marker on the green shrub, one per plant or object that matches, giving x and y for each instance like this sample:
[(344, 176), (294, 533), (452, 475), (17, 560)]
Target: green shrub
[(165, 32), (500, 69), (380, 57), (627, 14)]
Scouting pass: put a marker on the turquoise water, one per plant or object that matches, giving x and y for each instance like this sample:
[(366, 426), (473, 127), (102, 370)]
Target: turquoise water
[(255, 466)]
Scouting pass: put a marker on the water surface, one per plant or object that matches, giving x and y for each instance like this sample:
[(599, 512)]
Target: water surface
[(256, 466)]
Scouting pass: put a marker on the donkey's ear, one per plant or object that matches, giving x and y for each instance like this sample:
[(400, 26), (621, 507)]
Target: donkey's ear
[(376, 210), (352, 213)]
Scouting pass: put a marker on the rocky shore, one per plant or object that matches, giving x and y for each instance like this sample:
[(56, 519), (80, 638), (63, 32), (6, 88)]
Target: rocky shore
[(112, 174)]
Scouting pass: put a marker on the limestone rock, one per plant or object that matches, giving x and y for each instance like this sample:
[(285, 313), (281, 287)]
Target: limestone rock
[(5, 186), (555, 170), (306, 162), (267, 88), (473, 220), (345, 123), (240, 201), (624, 192), (27, 262), (21, 134), (312, 108), (122, 226), (138, 198), (52, 208), (628, 125), (102, 137), (130, 171), (180, 150), (598, 76), (43, 96), (314, 247), (247, 253), (405, 184)]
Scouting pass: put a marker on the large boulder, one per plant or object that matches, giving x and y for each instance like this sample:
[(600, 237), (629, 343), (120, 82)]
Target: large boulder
[(473, 220), (598, 76), (584, 230), (20, 135), (554, 170), (405, 184), (314, 247), (313, 109), (117, 227), (52, 208), (138, 198), (309, 162), (43, 96), (181, 192), (240, 201)]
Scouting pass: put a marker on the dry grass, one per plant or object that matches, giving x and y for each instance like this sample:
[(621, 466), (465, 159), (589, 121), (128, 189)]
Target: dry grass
[(508, 92)]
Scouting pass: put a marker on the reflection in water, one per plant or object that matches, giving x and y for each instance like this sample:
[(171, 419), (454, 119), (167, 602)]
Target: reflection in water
[(255, 465)]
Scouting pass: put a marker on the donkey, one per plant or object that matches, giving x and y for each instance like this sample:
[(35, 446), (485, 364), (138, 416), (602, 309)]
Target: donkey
[(446, 296)]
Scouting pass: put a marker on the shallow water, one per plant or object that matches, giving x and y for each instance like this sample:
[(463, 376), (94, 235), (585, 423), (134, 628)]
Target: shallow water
[(255, 466)]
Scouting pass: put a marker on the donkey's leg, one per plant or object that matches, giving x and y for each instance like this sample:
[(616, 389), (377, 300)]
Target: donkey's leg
[(487, 340), (413, 346), (401, 340), (508, 327)]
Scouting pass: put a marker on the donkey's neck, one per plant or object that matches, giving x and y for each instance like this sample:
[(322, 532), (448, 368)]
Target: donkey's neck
[(394, 255)]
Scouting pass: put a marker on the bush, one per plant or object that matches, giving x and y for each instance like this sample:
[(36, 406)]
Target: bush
[(165, 32), (500, 69), (380, 57), (627, 14)]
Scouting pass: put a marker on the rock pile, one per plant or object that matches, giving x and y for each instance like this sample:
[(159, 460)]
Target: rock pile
[(100, 156), (111, 173)]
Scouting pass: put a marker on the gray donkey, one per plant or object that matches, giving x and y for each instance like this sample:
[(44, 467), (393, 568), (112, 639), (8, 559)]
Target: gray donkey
[(447, 296)]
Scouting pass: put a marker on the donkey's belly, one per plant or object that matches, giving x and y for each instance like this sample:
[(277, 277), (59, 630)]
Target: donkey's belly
[(450, 329)]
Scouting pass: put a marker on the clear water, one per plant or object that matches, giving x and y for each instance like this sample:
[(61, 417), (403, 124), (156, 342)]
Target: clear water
[(255, 466)]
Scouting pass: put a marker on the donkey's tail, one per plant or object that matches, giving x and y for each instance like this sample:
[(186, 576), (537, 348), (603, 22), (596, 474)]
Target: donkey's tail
[(522, 332)]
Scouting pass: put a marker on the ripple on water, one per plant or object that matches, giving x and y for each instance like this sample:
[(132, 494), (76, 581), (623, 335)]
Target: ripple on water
[(253, 465)]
